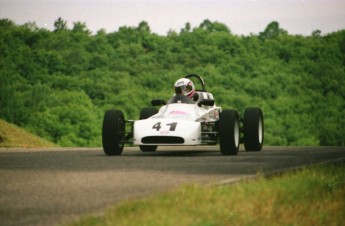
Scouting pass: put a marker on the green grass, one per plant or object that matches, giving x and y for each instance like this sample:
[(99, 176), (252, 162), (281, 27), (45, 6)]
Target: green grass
[(12, 136), (312, 196)]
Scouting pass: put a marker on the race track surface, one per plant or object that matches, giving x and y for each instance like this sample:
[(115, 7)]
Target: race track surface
[(53, 186)]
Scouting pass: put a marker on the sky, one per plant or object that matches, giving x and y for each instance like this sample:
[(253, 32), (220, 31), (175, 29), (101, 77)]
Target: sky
[(242, 17)]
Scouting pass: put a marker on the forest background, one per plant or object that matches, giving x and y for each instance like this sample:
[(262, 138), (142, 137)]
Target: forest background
[(58, 84)]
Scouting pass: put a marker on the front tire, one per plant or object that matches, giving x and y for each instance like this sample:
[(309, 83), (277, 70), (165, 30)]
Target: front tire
[(113, 132), (253, 129), (229, 132), (144, 114)]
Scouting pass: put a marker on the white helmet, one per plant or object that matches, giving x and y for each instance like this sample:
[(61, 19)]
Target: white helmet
[(184, 86)]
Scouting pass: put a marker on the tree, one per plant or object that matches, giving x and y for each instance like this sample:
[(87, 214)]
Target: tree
[(272, 31), (144, 27), (209, 26), (60, 25), (81, 28), (187, 27)]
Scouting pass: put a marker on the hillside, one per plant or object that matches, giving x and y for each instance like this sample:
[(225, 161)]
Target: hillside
[(12, 136), (58, 84)]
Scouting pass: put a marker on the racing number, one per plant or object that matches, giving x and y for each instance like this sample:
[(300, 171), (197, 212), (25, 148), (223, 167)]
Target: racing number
[(172, 126), (158, 126)]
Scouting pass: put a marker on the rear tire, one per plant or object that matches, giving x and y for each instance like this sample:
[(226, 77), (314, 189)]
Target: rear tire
[(113, 132), (144, 114), (229, 132), (253, 129)]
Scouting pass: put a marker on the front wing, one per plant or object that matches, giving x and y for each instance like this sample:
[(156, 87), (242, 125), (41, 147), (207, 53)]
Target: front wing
[(160, 131)]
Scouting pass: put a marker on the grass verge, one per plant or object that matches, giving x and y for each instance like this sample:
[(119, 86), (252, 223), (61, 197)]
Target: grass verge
[(311, 196), (12, 136)]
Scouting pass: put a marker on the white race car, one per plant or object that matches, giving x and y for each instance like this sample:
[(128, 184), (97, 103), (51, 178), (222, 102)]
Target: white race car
[(185, 121)]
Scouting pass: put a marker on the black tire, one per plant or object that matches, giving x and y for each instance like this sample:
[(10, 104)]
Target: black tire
[(144, 114), (253, 129), (229, 132), (113, 132), (147, 112)]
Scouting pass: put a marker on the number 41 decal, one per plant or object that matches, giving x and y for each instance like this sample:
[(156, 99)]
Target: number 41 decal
[(158, 126)]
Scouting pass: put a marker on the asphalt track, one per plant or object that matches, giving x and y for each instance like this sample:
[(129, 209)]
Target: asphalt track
[(54, 186)]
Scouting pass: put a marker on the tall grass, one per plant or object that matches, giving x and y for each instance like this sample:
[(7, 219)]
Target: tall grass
[(12, 136), (312, 196)]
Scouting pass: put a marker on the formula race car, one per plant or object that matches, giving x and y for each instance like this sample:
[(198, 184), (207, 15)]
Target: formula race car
[(185, 121)]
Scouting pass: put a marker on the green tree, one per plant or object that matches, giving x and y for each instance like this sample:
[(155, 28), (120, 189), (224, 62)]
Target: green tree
[(272, 30), (60, 25)]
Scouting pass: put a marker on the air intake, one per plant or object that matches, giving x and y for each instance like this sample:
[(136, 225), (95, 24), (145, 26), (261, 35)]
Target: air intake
[(162, 140)]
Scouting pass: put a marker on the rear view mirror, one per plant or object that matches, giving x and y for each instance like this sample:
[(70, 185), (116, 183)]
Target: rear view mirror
[(206, 102), (158, 102)]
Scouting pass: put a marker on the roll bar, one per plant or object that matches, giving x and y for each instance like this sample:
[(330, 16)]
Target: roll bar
[(200, 79)]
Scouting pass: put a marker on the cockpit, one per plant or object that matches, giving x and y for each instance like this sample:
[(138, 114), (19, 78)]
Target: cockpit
[(180, 98)]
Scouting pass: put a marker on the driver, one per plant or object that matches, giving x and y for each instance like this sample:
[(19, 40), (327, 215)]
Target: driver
[(184, 92), (184, 86)]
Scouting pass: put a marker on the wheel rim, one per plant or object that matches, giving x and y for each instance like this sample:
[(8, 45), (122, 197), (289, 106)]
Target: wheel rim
[(237, 133), (260, 130)]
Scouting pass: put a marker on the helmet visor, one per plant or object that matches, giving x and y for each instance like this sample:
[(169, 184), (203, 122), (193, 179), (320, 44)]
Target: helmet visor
[(183, 89)]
